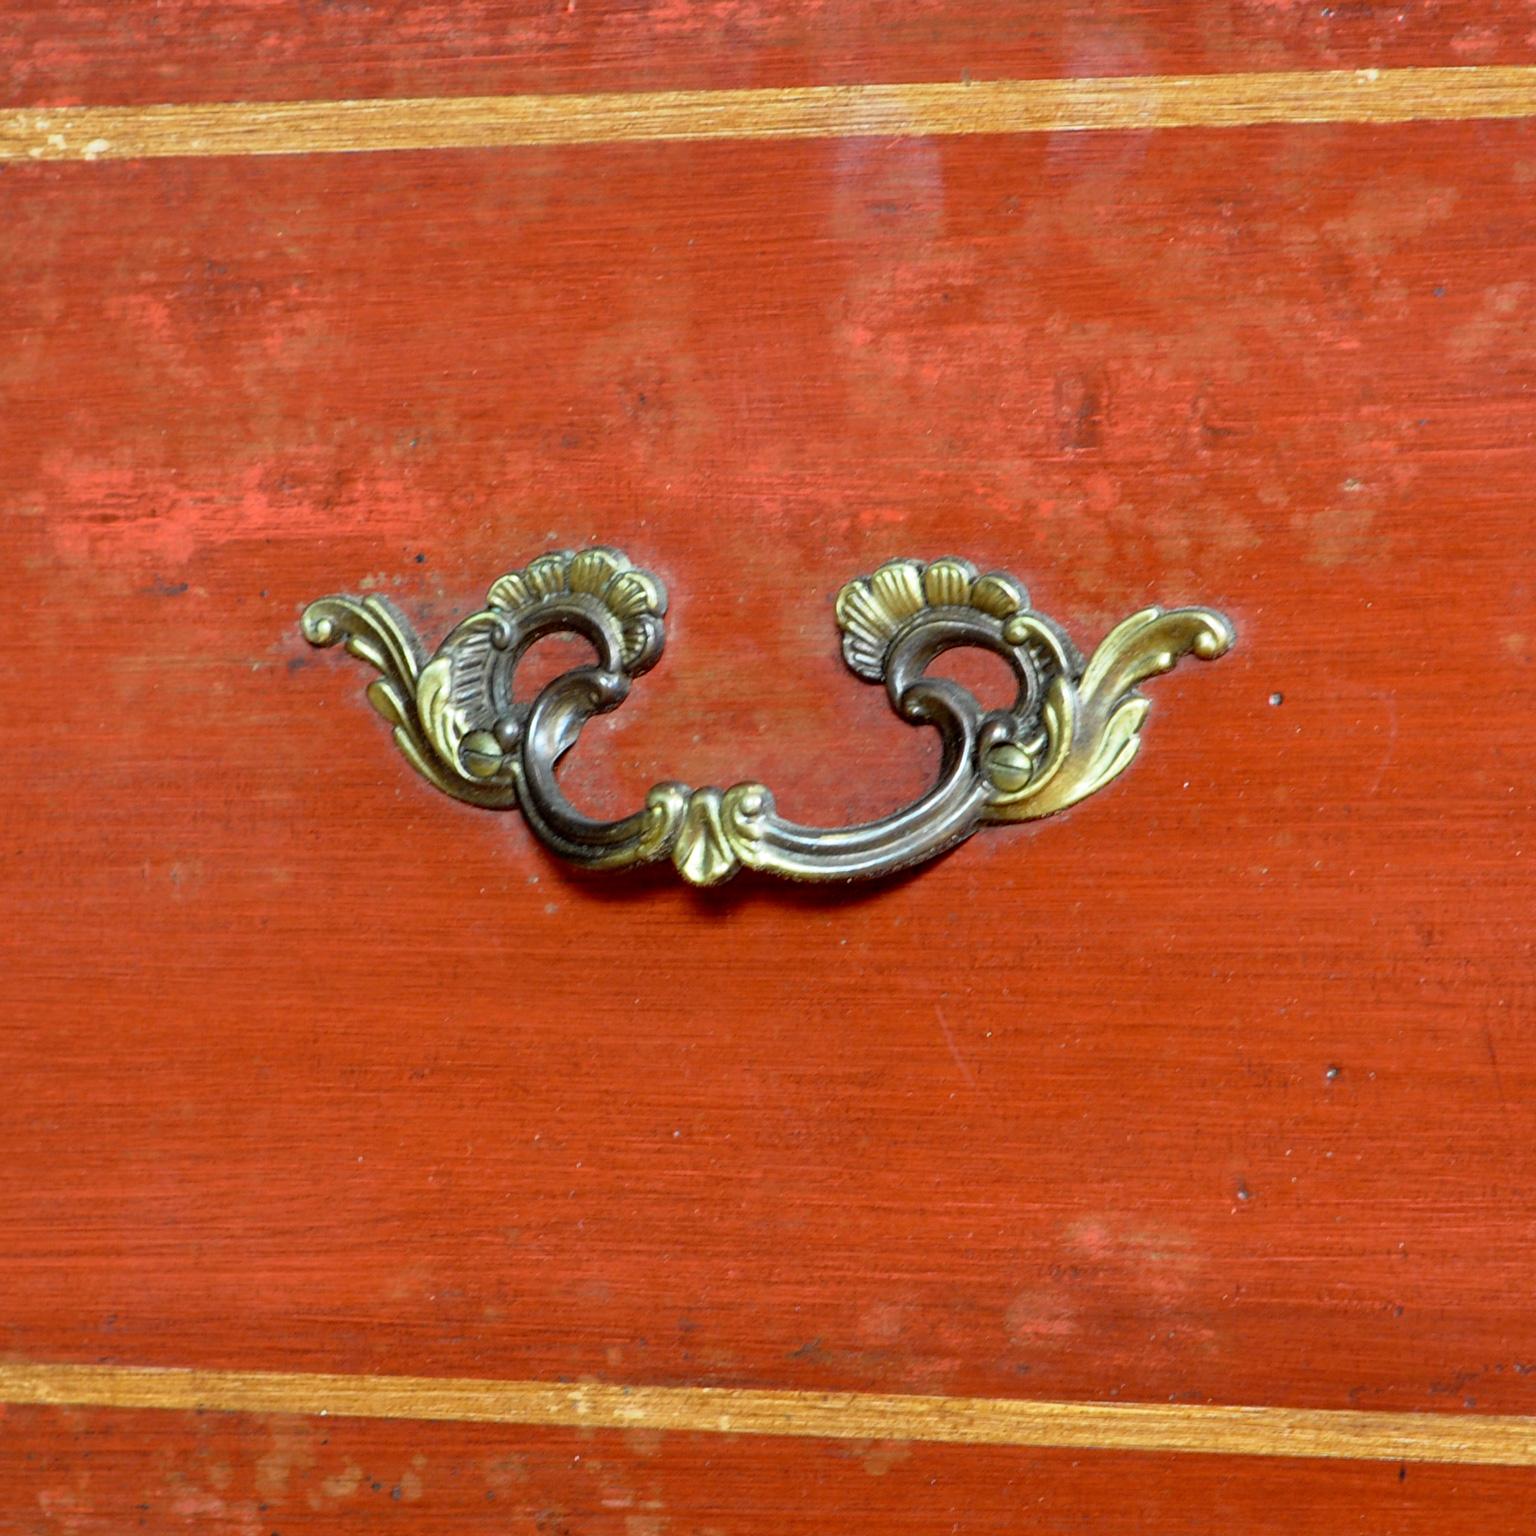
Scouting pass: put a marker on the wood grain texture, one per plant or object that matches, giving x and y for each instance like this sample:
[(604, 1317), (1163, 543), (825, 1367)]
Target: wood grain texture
[(264, 953), (921, 110), (1297, 1433), (1217, 1090), (227, 1475), (63, 52)]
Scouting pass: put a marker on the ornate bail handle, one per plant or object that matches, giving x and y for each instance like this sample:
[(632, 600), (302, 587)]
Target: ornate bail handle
[(1072, 726)]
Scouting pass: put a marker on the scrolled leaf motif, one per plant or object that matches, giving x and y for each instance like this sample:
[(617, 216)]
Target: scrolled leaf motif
[(459, 720), (373, 632), (1092, 725)]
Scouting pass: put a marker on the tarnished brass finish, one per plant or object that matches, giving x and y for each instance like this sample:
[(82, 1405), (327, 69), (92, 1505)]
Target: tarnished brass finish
[(1071, 728)]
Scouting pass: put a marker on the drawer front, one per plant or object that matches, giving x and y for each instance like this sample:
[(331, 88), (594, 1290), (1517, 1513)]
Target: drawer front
[(369, 1168)]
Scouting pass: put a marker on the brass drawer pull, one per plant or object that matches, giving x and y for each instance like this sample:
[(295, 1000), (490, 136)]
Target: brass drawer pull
[(1072, 727)]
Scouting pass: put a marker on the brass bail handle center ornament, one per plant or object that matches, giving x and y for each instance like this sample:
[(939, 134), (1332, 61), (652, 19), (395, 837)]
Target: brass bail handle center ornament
[(1071, 728)]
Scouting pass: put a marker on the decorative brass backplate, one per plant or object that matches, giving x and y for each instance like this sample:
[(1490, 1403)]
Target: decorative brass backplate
[(1071, 728)]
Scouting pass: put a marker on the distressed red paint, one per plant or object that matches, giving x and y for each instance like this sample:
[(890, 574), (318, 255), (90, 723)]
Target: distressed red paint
[(1217, 1088), (62, 52)]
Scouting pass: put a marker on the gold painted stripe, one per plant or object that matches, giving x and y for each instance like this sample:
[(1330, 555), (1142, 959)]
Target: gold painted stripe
[(827, 111), (1228, 1431)]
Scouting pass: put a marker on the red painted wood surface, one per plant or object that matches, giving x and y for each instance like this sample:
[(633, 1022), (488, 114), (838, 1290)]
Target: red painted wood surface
[(1219, 1088), (97, 1474), (59, 52)]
